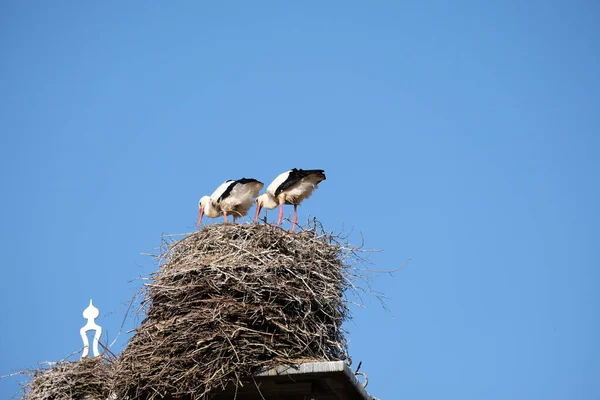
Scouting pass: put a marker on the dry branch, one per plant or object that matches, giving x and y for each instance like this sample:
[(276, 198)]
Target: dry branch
[(232, 299), (86, 379)]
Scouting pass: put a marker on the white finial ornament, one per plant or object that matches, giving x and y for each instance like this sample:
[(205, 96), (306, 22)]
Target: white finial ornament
[(90, 313)]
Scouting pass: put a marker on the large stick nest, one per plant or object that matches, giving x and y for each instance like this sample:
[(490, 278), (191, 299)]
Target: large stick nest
[(85, 379), (231, 299)]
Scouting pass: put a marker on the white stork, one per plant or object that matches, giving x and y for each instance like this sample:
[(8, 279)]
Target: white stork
[(231, 197), (290, 187)]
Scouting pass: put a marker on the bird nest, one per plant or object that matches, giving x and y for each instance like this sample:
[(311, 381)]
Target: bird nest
[(85, 379), (230, 300)]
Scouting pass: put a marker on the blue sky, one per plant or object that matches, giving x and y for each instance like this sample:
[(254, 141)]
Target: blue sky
[(461, 135)]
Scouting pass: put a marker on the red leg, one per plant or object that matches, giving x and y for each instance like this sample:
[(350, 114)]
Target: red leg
[(225, 217), (295, 217), (280, 212)]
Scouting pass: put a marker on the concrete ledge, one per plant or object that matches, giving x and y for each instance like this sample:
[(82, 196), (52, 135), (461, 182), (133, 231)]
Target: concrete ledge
[(327, 380)]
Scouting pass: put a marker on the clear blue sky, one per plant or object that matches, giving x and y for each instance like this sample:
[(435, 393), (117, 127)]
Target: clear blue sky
[(463, 135)]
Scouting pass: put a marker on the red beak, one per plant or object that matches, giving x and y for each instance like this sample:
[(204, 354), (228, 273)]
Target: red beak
[(258, 208), (200, 218)]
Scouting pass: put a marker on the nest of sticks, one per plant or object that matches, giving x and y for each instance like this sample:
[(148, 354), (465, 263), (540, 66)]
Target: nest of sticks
[(85, 379), (230, 300)]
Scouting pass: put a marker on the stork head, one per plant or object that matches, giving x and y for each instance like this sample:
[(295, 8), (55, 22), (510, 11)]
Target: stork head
[(267, 201), (202, 204)]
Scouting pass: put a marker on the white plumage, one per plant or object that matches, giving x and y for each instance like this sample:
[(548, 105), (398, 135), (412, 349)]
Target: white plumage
[(220, 190)]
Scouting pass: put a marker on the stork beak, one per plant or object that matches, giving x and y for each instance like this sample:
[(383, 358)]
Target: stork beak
[(200, 218), (258, 208)]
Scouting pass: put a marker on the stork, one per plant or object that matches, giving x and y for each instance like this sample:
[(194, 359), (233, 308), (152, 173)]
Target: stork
[(290, 187), (233, 197)]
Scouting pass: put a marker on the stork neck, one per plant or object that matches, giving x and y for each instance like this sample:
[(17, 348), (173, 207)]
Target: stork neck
[(210, 210)]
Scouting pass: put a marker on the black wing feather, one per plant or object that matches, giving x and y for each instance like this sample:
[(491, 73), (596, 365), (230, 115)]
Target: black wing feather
[(295, 176), (242, 181)]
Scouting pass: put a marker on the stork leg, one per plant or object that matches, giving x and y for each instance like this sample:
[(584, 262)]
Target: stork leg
[(280, 212), (295, 217), (226, 220)]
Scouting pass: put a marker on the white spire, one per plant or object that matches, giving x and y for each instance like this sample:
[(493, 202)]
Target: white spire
[(90, 313)]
